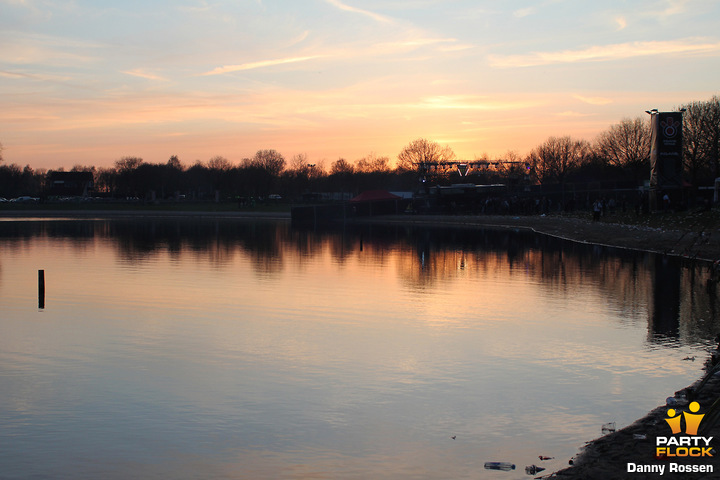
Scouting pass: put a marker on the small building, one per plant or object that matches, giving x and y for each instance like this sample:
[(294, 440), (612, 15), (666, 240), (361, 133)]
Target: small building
[(71, 184), (377, 202)]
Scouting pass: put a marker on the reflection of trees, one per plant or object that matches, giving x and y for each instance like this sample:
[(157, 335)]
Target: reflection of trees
[(304, 243), (16, 235), (138, 240), (670, 295), (665, 303), (699, 310), (216, 240), (341, 247)]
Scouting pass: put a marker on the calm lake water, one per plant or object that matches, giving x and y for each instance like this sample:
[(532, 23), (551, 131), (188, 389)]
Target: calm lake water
[(227, 349)]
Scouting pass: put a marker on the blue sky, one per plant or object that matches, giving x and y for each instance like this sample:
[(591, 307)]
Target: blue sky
[(90, 82)]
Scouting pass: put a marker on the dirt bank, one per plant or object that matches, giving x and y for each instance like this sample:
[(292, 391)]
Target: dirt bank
[(614, 456), (693, 239)]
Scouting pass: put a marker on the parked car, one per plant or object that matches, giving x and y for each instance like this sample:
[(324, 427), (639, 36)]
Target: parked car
[(25, 199)]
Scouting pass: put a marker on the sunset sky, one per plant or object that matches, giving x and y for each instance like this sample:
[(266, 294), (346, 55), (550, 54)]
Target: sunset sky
[(88, 82)]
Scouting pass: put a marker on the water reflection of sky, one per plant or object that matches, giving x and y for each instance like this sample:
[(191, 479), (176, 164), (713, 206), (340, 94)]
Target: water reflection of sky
[(249, 350)]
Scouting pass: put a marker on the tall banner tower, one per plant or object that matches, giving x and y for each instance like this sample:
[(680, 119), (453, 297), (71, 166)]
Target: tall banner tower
[(666, 165)]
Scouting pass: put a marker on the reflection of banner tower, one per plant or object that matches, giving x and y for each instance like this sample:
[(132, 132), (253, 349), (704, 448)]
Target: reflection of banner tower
[(665, 153)]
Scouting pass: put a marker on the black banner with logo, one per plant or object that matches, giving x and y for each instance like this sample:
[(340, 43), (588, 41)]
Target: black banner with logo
[(666, 150)]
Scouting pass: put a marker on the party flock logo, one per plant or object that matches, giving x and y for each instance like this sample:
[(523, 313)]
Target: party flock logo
[(684, 444), (688, 445)]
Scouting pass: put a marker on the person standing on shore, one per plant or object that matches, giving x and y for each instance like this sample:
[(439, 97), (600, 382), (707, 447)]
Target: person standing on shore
[(597, 208)]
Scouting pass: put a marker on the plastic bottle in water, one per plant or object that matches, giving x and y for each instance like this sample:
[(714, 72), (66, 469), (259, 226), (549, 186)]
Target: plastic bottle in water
[(507, 466), (533, 469)]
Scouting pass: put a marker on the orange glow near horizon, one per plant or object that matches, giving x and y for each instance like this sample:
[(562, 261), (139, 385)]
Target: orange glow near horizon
[(322, 132), (336, 80)]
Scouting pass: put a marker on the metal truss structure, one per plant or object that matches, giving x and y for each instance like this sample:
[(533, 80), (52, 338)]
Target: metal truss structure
[(463, 167)]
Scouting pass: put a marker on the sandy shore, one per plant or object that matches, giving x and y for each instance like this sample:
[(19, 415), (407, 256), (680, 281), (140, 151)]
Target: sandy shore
[(604, 458)]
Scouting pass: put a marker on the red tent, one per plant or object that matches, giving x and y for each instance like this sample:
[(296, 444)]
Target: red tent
[(374, 196)]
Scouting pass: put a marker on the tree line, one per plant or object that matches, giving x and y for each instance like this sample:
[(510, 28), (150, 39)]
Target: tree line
[(620, 153)]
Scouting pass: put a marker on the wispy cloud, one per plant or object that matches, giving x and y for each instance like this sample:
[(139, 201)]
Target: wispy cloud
[(621, 22), (472, 102), (524, 12), (299, 39), (455, 48), (412, 43), (593, 100), (40, 77), (422, 42), (260, 64), (202, 7), (570, 113), (606, 53), (48, 50), (139, 73), (6, 74), (375, 16), (673, 7)]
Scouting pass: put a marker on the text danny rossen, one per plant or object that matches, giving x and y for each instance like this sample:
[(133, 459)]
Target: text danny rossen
[(671, 468)]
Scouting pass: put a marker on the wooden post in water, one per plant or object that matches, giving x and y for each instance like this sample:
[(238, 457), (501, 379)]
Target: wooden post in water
[(41, 288)]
